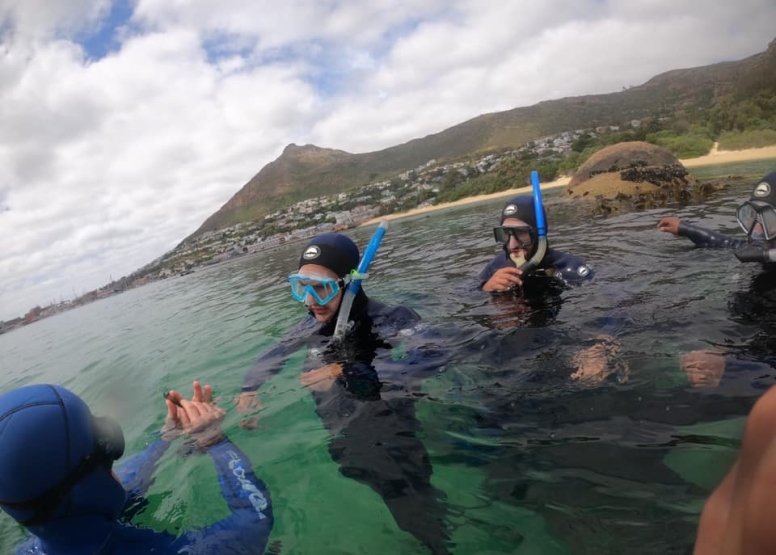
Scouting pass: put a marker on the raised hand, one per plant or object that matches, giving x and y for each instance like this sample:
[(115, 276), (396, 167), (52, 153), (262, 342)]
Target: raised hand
[(198, 416), (193, 416), (669, 225)]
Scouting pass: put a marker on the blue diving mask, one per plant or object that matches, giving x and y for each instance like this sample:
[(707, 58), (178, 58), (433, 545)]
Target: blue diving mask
[(751, 213), (322, 289)]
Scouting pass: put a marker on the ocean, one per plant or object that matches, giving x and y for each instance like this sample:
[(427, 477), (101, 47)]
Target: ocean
[(529, 460)]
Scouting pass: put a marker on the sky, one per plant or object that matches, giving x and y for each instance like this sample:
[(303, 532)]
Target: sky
[(125, 124)]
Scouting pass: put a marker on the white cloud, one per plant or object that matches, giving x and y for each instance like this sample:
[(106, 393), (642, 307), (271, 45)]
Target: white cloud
[(107, 163), (41, 19)]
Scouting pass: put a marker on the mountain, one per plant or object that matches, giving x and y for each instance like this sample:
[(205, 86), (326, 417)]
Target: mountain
[(309, 171)]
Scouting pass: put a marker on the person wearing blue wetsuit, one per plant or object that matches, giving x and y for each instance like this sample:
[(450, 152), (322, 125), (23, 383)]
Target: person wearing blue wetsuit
[(518, 236), (363, 394), (57, 479)]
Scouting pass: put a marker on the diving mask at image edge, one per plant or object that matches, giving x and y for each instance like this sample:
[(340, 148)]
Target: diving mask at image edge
[(524, 235), (750, 213), (322, 289)]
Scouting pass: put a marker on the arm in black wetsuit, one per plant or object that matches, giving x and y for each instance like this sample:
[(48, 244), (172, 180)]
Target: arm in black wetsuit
[(271, 361), (711, 239)]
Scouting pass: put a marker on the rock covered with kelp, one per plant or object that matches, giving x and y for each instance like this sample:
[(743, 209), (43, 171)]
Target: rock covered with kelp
[(635, 175)]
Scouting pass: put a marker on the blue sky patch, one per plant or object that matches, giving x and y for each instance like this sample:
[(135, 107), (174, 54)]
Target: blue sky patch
[(100, 41)]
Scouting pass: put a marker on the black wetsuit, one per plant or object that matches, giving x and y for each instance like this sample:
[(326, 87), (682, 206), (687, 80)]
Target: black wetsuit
[(756, 304), (587, 459), (703, 237), (595, 462), (563, 267), (370, 410)]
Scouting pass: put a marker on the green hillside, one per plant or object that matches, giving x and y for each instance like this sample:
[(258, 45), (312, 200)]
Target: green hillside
[(729, 97)]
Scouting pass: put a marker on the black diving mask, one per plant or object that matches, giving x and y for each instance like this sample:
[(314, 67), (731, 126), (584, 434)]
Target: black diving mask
[(524, 235), (752, 212)]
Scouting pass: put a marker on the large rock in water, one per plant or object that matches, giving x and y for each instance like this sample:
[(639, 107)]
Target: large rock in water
[(628, 169)]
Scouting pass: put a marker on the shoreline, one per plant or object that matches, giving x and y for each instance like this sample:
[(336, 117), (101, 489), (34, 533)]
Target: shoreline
[(714, 157)]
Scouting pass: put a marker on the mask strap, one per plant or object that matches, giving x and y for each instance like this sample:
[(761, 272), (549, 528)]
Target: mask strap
[(355, 275)]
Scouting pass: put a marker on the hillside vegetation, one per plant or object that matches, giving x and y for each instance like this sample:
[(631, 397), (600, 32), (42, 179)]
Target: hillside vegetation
[(683, 111)]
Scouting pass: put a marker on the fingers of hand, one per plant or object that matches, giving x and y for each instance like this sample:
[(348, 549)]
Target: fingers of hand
[(185, 419), (172, 410), (507, 280), (211, 409), (315, 376), (191, 408), (208, 415), (509, 271), (197, 391), (173, 396), (208, 394)]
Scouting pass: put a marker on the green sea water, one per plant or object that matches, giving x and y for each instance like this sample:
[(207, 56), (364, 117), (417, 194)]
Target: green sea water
[(513, 484)]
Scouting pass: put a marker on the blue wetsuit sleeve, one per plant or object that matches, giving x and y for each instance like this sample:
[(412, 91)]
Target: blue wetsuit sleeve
[(30, 546), (136, 472), (711, 239), (247, 529)]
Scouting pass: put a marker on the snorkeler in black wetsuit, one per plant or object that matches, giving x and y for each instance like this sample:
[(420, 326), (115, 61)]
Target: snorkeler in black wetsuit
[(526, 280), (363, 387), (582, 457), (757, 217), (518, 236)]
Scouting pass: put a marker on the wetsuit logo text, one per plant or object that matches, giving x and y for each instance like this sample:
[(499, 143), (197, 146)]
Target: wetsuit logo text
[(256, 498)]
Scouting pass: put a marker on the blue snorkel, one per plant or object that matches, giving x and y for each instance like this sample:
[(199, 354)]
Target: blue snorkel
[(541, 227), (355, 283)]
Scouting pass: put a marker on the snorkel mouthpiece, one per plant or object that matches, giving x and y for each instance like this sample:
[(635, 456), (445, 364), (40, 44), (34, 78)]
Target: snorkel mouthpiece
[(350, 293), (519, 260), (541, 228), (752, 253)]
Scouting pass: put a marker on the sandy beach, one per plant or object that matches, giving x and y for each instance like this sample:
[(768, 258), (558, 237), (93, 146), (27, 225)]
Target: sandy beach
[(715, 156)]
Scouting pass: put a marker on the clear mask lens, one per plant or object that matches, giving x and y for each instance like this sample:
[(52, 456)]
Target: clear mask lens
[(749, 215), (523, 235), (768, 219)]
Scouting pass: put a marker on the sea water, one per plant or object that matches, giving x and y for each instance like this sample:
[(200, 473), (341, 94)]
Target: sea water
[(529, 460)]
